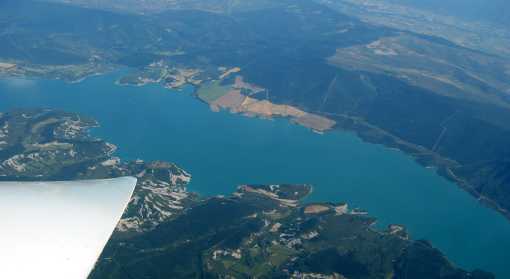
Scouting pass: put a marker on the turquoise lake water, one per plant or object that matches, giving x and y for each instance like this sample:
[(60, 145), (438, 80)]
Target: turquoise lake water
[(222, 150)]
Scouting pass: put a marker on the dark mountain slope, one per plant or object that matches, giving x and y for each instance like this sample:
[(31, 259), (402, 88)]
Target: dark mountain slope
[(446, 105)]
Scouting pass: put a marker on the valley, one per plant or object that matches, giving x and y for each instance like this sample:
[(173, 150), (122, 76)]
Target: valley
[(398, 77), (213, 149)]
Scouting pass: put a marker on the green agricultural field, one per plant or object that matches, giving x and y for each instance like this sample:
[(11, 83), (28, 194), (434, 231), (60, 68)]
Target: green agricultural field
[(211, 91), (279, 254)]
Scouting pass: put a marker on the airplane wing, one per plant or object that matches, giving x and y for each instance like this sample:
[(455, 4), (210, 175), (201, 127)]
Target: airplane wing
[(58, 229)]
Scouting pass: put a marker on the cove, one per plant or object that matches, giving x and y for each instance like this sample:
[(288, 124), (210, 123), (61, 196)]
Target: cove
[(222, 150)]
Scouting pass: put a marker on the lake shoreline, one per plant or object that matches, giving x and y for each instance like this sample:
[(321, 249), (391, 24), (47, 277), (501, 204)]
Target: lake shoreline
[(224, 150), (426, 158)]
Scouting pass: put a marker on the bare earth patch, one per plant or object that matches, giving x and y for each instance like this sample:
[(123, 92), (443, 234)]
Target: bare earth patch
[(239, 103), (231, 100), (315, 209), (315, 122)]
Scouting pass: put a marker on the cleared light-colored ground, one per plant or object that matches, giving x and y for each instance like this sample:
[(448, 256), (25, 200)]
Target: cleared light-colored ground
[(316, 208), (225, 97), (229, 72), (315, 122)]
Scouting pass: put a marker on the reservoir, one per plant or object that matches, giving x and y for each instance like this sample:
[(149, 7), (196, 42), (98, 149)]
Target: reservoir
[(222, 150)]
